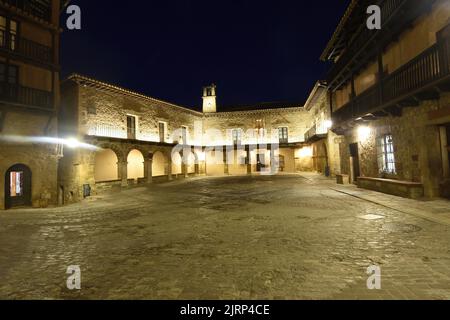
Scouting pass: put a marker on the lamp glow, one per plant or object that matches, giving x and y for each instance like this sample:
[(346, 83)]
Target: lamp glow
[(364, 132), (72, 143)]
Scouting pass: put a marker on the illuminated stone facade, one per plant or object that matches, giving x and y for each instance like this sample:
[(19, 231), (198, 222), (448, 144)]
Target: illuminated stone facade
[(137, 136), (29, 99)]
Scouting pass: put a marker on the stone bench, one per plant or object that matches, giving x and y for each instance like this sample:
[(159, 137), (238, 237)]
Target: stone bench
[(405, 189), (342, 179)]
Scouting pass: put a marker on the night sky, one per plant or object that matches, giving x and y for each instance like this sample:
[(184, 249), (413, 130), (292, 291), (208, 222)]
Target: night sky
[(254, 51)]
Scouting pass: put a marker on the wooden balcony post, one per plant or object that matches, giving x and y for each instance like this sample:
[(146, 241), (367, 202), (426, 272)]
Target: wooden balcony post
[(443, 40)]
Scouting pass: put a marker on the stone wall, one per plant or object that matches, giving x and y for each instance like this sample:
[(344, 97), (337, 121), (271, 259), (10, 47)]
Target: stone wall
[(417, 147), (297, 120), (40, 157)]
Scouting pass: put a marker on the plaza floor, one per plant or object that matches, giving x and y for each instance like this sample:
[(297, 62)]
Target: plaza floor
[(280, 237)]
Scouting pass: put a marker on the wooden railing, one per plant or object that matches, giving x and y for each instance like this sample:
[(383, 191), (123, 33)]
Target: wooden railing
[(389, 8), (39, 8), (14, 93), (412, 76), (310, 133), (429, 67), (28, 49)]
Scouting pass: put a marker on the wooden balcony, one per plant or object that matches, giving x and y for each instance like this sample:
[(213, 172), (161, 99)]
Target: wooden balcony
[(41, 9), (28, 49), (361, 46), (420, 79), (312, 135), (26, 97)]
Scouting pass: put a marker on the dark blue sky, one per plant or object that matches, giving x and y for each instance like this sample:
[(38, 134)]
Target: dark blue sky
[(255, 51)]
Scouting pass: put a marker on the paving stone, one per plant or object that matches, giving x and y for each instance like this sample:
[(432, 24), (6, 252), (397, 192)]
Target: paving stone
[(305, 241)]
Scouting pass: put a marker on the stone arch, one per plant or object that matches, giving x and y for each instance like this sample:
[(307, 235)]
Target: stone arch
[(146, 152), (177, 163), (192, 163), (106, 165), (159, 163), (121, 155), (135, 164)]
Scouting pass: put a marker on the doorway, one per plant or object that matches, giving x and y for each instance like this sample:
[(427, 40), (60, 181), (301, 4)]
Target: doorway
[(354, 163), (18, 186), (260, 162)]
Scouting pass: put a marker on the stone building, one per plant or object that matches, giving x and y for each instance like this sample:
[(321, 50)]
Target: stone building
[(389, 97), (123, 138), (29, 97)]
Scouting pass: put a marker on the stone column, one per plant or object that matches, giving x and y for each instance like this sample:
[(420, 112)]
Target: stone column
[(123, 173), (148, 169), (226, 168), (169, 169), (197, 161), (249, 160), (185, 162), (274, 162)]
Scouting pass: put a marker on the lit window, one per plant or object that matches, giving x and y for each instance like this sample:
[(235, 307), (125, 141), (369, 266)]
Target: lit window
[(16, 179), (13, 34), (386, 156), (283, 134), (237, 136), (2, 31)]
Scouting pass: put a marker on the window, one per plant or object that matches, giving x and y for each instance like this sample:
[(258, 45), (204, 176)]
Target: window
[(13, 34), (2, 31), (8, 28), (184, 134), (237, 136), (283, 135), (131, 127), (162, 132), (260, 130), (386, 157)]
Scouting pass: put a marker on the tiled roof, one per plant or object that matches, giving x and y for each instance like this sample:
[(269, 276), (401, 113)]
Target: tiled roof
[(261, 106)]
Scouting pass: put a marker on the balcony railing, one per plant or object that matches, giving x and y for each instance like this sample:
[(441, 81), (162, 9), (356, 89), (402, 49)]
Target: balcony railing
[(14, 93), (29, 49), (428, 68), (389, 9), (41, 9)]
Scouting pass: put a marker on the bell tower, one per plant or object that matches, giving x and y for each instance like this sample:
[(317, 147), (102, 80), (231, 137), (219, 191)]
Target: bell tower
[(209, 99)]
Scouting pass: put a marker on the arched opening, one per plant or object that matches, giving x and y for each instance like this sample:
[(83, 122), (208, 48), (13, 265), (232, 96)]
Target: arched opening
[(159, 164), (176, 163), (191, 167), (135, 165), (18, 186), (106, 168), (321, 158)]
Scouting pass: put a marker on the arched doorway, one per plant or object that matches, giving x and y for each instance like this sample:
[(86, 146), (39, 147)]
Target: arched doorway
[(321, 158), (106, 168), (135, 165), (159, 164), (177, 161), (192, 165), (18, 186)]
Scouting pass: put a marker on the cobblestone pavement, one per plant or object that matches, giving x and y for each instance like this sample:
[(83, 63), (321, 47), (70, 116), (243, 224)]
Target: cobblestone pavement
[(284, 237)]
